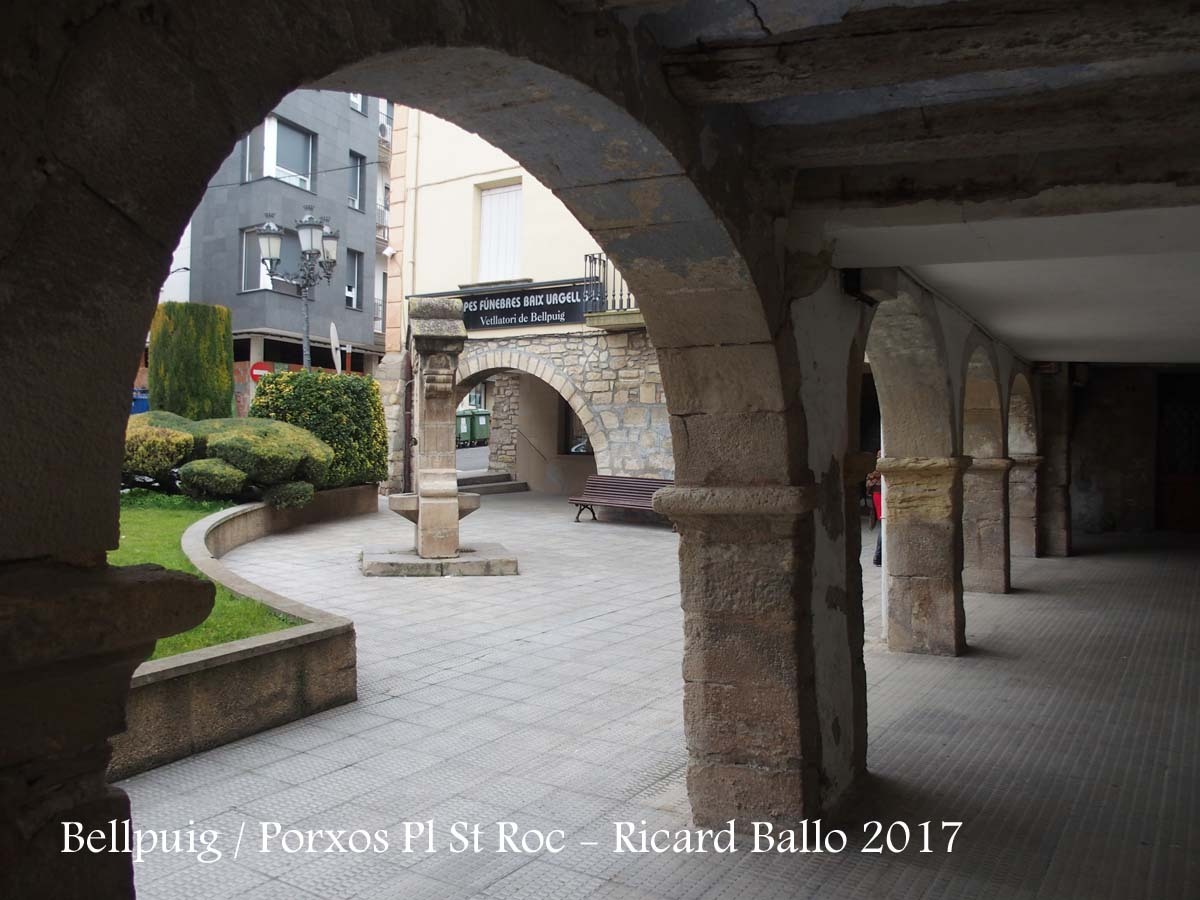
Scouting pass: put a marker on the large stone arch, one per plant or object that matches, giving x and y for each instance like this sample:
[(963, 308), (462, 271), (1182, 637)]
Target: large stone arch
[(1023, 477), (985, 483), (922, 468), (127, 150), (476, 367)]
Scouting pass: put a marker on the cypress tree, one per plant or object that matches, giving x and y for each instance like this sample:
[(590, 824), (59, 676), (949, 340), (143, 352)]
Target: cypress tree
[(191, 360)]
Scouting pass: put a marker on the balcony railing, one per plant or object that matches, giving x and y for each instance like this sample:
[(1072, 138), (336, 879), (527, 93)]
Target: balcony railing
[(605, 289), (379, 305), (381, 223)]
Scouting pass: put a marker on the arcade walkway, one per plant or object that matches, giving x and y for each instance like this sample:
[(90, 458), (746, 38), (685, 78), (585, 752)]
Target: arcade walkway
[(1065, 740)]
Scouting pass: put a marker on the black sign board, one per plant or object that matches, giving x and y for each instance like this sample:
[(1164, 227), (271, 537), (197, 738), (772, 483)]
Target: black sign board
[(557, 304)]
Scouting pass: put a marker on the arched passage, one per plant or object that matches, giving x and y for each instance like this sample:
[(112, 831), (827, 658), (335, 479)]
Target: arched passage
[(922, 471), (477, 367), (985, 483), (1023, 477), (130, 150)]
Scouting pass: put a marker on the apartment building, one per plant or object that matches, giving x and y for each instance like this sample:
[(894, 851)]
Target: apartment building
[(324, 152)]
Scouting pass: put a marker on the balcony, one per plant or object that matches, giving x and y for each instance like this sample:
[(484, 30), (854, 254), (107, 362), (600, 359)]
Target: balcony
[(380, 304), (381, 225), (608, 302)]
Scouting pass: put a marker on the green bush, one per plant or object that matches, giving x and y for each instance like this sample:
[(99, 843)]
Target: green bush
[(153, 452), (269, 452), (342, 410), (211, 478), (191, 360), (290, 495)]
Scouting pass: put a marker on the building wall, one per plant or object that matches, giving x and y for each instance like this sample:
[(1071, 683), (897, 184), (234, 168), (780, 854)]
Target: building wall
[(1113, 449), (540, 460), (504, 400), (231, 205), (617, 378)]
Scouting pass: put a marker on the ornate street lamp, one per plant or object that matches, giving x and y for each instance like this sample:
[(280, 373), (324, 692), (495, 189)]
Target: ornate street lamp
[(318, 259)]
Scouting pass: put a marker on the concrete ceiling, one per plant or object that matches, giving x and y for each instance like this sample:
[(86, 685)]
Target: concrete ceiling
[(1102, 287)]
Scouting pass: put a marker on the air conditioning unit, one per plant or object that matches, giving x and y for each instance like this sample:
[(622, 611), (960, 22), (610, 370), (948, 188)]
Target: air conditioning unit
[(385, 133)]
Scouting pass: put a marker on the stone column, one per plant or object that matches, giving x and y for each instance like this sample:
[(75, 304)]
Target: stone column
[(1054, 476), (753, 708), (1022, 505), (924, 554), (506, 408), (70, 639), (985, 526), (438, 336)]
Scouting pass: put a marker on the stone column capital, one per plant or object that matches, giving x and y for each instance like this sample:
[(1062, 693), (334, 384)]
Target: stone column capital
[(735, 513), (985, 464), (1026, 461), (915, 468), (766, 500)]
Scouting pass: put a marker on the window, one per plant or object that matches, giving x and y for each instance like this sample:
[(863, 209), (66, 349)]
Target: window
[(354, 270), (499, 233), (381, 280), (575, 438), (254, 273), (357, 170), (356, 103), (288, 153)]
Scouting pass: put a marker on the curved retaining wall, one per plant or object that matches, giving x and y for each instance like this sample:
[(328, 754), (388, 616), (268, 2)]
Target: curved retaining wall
[(202, 699)]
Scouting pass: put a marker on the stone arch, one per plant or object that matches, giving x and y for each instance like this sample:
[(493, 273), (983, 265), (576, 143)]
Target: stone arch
[(130, 149), (922, 471), (983, 414), (475, 367), (1023, 477), (985, 484), (1022, 417), (621, 155), (908, 362)]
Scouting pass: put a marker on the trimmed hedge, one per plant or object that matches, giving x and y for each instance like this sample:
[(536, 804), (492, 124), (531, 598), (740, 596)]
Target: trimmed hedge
[(345, 411), (152, 451), (289, 495), (211, 478), (191, 360), (236, 458)]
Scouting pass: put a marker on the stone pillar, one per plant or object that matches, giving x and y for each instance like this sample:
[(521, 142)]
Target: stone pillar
[(392, 373), (438, 336), (1022, 505), (71, 639), (506, 407), (1054, 475), (985, 526), (753, 711), (924, 554)]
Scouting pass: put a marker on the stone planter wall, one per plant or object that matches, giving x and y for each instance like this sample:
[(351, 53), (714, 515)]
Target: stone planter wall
[(202, 699)]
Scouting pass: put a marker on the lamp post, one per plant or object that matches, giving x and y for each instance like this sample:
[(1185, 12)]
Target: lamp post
[(318, 258)]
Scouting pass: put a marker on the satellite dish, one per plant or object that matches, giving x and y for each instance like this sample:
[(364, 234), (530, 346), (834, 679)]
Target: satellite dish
[(335, 348)]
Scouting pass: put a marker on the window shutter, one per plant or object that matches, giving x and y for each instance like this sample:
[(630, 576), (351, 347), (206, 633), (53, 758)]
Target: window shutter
[(500, 233)]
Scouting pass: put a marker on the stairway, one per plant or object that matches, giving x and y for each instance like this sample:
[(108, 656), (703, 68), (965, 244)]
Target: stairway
[(495, 483)]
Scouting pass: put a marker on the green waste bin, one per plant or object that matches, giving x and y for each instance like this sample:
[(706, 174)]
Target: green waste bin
[(479, 426), (462, 427)]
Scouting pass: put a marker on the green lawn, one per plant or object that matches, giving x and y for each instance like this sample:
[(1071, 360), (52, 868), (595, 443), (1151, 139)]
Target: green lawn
[(151, 526)]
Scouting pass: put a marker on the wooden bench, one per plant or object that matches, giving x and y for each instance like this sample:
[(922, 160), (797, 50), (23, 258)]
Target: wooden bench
[(617, 492)]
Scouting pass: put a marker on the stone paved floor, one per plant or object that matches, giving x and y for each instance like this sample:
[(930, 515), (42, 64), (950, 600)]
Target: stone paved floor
[(1066, 740)]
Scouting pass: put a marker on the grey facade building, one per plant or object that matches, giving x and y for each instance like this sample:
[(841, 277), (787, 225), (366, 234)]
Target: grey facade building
[(326, 150)]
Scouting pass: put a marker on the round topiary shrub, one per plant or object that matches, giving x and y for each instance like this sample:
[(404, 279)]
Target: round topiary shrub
[(211, 478), (291, 495), (153, 452)]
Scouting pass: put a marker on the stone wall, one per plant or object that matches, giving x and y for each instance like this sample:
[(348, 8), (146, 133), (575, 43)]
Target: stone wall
[(505, 406), (612, 381), (1113, 450)]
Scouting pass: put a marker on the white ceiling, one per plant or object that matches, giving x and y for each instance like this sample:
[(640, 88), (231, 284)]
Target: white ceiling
[(1110, 287)]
